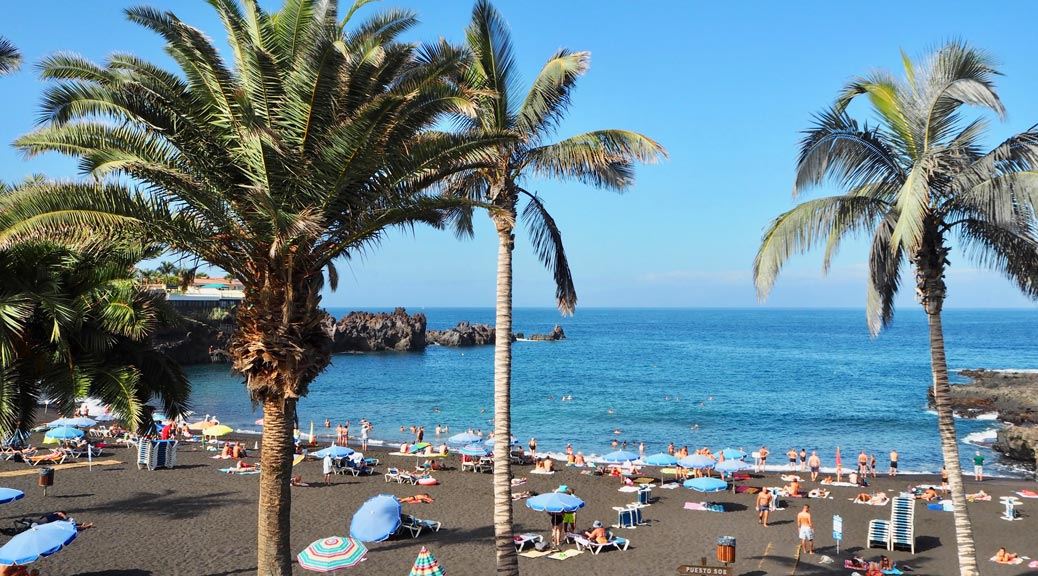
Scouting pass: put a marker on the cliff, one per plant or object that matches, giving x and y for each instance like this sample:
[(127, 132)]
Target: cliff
[(378, 331), (1014, 396)]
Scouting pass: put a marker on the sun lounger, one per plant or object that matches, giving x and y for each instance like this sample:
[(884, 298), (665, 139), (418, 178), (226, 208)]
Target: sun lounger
[(521, 540), (342, 466), (392, 475), (54, 457), (415, 525), (596, 547)]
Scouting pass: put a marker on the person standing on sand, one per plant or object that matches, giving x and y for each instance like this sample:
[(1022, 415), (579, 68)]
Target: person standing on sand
[(863, 464), (978, 467), (763, 458), (872, 464), (533, 447), (365, 428), (763, 507), (326, 465), (815, 463), (806, 530), (893, 464), (792, 455), (803, 459)]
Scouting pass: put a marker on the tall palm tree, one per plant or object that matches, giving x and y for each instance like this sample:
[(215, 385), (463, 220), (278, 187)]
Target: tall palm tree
[(10, 58), (603, 158), (74, 325), (318, 138), (914, 181)]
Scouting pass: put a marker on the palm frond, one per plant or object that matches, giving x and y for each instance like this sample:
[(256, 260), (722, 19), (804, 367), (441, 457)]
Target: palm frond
[(10, 58), (549, 95), (603, 158), (547, 242)]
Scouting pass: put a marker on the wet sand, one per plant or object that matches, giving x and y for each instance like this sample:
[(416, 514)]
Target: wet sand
[(194, 520)]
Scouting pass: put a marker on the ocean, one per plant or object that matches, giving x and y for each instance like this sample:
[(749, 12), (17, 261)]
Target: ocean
[(743, 378)]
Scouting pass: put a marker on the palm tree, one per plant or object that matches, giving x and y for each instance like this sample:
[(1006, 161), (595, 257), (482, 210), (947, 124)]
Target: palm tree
[(74, 325), (309, 147), (10, 58), (602, 158), (913, 181)]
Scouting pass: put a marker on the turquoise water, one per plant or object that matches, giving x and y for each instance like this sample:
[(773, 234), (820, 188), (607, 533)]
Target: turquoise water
[(710, 377)]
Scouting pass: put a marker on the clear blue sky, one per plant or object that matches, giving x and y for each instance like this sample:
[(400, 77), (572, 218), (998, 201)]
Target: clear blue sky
[(726, 87)]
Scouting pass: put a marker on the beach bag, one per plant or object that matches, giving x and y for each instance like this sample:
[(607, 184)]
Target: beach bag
[(541, 546)]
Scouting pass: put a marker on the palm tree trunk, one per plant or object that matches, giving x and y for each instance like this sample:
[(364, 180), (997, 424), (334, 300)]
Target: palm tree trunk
[(507, 561), (950, 449), (274, 554), (930, 262)]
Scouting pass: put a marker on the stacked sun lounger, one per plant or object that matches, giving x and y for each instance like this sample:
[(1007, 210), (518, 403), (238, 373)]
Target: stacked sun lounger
[(155, 454), (879, 534), (902, 523)]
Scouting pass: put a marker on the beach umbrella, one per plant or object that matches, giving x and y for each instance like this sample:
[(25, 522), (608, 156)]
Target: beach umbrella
[(729, 466), (426, 565), (201, 425), (839, 461), (217, 431), (36, 542), (697, 462), (661, 459), (706, 484), (514, 442), (376, 520), (733, 454), (103, 417), (62, 433), (334, 451), (78, 422), (464, 438), (619, 457), (416, 448), (554, 502), (332, 553), (473, 450), (10, 495), (298, 458)]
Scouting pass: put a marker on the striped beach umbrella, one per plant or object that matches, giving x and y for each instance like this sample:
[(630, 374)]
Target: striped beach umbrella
[(332, 553), (427, 565)]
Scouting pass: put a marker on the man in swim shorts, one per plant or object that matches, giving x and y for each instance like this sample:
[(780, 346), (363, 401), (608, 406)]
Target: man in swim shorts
[(803, 459), (815, 463), (792, 455), (893, 463), (806, 530), (763, 507)]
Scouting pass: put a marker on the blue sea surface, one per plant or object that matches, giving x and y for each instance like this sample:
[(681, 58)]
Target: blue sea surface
[(695, 377)]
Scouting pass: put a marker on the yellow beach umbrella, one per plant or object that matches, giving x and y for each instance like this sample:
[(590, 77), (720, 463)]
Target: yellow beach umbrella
[(217, 431), (298, 458)]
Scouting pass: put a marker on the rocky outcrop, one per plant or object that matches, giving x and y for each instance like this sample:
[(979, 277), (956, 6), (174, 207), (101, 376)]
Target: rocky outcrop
[(193, 342), (1018, 442), (378, 331), (463, 335), (555, 334), (1013, 395)]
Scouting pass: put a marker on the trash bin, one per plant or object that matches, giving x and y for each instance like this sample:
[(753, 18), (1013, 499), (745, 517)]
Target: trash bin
[(726, 550), (46, 478)]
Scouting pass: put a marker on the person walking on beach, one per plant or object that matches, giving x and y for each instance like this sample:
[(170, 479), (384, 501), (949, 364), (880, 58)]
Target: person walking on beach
[(803, 459), (815, 464), (863, 464), (326, 465), (806, 530), (763, 507), (893, 464), (978, 467), (792, 455)]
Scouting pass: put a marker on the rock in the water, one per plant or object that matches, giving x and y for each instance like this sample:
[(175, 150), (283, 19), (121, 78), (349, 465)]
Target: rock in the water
[(463, 335), (376, 331), (555, 334), (194, 342), (1018, 442)]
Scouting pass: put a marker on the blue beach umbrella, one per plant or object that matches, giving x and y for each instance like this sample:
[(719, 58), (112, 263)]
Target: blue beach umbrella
[(473, 450), (334, 451), (733, 454), (515, 442), (661, 459), (64, 433), (619, 457), (706, 484), (464, 438), (36, 542), (78, 422), (376, 520), (729, 466), (10, 495), (556, 502), (697, 462)]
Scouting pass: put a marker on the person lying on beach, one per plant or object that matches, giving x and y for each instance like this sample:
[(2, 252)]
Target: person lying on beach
[(297, 480), (416, 499), (62, 516), (818, 493), (862, 498), (930, 495), (981, 496), (18, 571), (1003, 557), (243, 465), (521, 495)]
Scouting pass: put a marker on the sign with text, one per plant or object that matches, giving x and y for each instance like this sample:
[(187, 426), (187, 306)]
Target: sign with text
[(705, 570), (837, 528)]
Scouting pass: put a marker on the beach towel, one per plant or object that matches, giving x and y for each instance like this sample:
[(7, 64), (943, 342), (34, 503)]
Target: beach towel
[(1033, 564), (542, 472), (790, 477), (893, 572), (746, 490), (695, 506), (534, 553), (670, 485), (847, 484), (565, 554), (1015, 561), (627, 489), (978, 497), (1027, 494), (240, 472), (518, 481)]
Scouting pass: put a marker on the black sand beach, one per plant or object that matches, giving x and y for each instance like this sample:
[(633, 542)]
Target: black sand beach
[(194, 520)]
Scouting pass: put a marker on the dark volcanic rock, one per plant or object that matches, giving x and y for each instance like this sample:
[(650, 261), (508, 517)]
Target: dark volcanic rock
[(376, 331), (1018, 442), (463, 335), (194, 342), (555, 334)]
